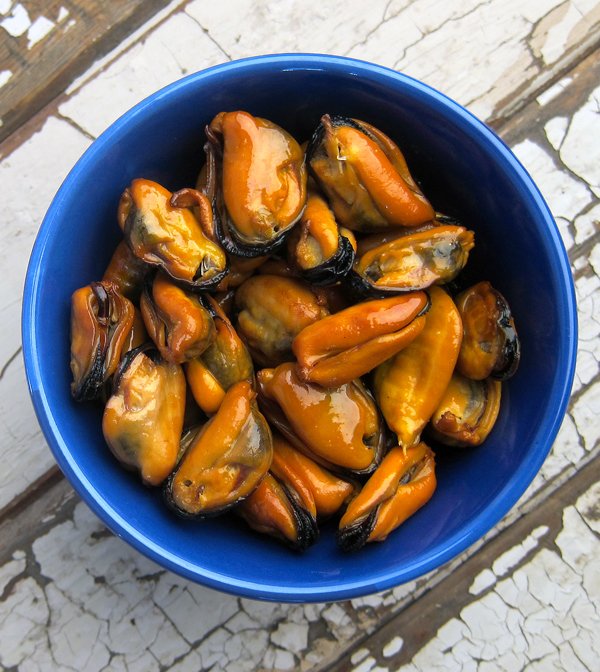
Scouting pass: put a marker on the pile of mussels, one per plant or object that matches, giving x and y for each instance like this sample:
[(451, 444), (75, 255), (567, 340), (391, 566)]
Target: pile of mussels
[(277, 340)]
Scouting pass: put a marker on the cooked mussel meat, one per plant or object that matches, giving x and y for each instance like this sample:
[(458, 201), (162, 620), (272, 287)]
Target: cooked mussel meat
[(294, 495), (319, 492), (224, 363), (364, 176), (273, 311), (410, 385), (416, 261), (101, 319), (176, 319), (143, 418), (373, 240), (226, 459), (137, 334), (271, 510), (321, 249), (490, 343), (338, 427), (255, 178), (240, 267), (467, 411), (170, 237), (349, 344), (402, 484), (127, 272)]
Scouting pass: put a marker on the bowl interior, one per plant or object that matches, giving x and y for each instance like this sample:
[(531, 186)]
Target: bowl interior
[(465, 172)]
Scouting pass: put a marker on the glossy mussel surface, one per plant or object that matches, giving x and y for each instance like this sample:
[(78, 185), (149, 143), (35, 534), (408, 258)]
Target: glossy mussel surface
[(255, 177), (101, 320), (226, 459), (365, 176), (280, 344), (169, 237)]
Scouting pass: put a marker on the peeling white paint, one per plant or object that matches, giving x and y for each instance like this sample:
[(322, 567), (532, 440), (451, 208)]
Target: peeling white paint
[(482, 581), (578, 151), (17, 22), (38, 30), (140, 72), (366, 666), (5, 6), (588, 506), (553, 91), (565, 195), (393, 647), (63, 12), (587, 224), (556, 129), (5, 75)]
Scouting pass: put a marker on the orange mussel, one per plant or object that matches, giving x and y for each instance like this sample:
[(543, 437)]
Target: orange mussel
[(255, 178), (365, 176), (176, 320), (143, 418), (225, 362), (352, 342), (490, 344), (402, 484), (101, 321), (170, 237), (225, 460), (338, 427), (295, 494), (410, 385)]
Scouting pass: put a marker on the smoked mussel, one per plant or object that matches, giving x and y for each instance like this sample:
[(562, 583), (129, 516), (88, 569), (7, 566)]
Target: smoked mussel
[(226, 459), (272, 510), (364, 176), (402, 484), (321, 250), (352, 342), (409, 386), (273, 310), (143, 418), (170, 237), (433, 256), (225, 362), (177, 320), (467, 411), (101, 320), (319, 492), (490, 344), (295, 494), (127, 272), (255, 178), (339, 427)]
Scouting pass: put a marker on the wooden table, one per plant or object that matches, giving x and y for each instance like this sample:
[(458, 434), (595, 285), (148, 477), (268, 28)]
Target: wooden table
[(73, 596)]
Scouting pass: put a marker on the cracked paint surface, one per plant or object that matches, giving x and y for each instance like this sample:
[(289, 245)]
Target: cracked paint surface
[(543, 616), (91, 603), (80, 599)]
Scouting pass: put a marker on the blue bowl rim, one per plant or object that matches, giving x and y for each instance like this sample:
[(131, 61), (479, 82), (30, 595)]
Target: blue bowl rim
[(497, 509)]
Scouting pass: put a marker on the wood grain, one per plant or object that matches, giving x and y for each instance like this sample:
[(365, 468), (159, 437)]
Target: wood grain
[(42, 64)]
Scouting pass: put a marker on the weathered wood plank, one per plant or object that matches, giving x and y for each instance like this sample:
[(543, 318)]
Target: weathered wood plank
[(45, 44), (419, 623)]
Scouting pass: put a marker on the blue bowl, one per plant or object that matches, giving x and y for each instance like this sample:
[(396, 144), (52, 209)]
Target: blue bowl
[(464, 169)]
